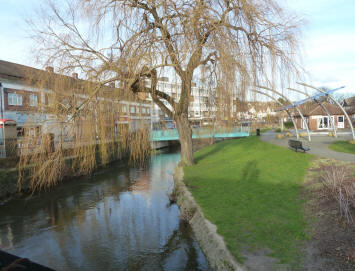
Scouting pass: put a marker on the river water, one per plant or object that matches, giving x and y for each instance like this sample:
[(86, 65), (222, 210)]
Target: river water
[(118, 219)]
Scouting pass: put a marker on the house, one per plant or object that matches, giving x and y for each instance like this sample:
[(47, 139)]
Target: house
[(249, 110), (318, 120)]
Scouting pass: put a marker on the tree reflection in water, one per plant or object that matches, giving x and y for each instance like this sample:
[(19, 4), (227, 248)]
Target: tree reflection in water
[(118, 219)]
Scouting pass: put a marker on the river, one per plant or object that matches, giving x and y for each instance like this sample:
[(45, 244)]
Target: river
[(118, 219)]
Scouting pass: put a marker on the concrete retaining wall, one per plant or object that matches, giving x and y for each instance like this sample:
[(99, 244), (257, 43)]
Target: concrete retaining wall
[(211, 243)]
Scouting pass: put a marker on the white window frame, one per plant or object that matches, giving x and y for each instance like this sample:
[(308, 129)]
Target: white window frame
[(305, 124), (329, 121), (132, 109), (342, 122), (14, 99), (124, 108), (33, 100)]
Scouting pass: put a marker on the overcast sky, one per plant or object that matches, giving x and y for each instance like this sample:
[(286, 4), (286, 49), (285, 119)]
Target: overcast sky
[(328, 38)]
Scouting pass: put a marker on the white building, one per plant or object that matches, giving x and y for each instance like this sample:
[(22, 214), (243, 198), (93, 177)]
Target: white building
[(201, 109)]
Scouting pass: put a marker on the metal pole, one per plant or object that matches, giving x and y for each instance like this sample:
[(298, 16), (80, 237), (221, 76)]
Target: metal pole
[(322, 106), (336, 102)]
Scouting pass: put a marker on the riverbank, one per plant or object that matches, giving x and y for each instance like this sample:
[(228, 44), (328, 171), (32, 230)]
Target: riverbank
[(211, 243), (251, 191)]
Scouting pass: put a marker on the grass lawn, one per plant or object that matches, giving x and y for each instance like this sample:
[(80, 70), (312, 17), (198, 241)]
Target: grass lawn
[(251, 190), (342, 146)]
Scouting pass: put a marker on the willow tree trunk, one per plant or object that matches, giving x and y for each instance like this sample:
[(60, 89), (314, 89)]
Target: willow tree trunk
[(185, 137)]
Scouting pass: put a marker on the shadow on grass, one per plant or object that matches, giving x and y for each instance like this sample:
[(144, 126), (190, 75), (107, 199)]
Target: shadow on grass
[(214, 149), (250, 172), (218, 147)]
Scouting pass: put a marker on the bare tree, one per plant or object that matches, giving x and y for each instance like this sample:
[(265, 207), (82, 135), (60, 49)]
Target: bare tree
[(131, 41)]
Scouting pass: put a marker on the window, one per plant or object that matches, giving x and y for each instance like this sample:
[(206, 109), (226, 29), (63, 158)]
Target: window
[(148, 110), (132, 109), (33, 100), (144, 110), (14, 99), (340, 121), (124, 109), (323, 122), (20, 131)]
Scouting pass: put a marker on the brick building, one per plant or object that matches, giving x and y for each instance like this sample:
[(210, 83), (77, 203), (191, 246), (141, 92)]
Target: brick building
[(25, 100), (318, 120)]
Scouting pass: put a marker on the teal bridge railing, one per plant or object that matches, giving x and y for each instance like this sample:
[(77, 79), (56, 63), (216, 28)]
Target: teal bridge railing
[(172, 134)]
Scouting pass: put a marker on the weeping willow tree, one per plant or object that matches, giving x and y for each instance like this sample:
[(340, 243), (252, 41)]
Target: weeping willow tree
[(131, 42), (83, 124)]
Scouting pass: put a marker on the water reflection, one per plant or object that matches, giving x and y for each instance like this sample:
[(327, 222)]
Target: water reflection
[(119, 219)]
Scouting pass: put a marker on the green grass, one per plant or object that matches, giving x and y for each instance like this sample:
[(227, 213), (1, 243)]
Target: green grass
[(251, 190), (342, 146)]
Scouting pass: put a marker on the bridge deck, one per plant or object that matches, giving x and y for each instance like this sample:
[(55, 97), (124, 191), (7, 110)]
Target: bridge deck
[(172, 134)]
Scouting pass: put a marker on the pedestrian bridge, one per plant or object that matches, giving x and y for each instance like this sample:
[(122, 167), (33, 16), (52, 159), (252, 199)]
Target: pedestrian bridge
[(172, 134)]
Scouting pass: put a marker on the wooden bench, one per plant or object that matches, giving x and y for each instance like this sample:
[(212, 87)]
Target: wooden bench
[(297, 145)]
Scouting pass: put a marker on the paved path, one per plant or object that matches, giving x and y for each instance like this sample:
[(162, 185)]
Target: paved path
[(319, 145)]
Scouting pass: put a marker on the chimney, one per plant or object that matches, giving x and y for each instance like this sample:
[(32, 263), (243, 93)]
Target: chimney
[(75, 75), (49, 69)]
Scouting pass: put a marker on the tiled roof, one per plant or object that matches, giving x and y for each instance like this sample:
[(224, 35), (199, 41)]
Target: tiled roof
[(36, 77), (314, 109), (16, 71), (349, 101)]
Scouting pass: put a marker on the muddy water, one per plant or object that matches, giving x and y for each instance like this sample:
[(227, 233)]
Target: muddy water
[(118, 219)]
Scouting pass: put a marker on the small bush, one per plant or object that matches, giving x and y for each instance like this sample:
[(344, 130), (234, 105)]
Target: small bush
[(278, 130), (288, 124)]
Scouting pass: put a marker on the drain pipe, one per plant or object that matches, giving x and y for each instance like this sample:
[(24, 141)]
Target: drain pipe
[(1, 101)]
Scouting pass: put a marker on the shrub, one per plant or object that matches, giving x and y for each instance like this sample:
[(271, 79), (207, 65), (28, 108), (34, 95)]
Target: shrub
[(288, 124), (339, 184)]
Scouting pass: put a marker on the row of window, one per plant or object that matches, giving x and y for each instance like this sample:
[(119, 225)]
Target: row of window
[(16, 99), (136, 110)]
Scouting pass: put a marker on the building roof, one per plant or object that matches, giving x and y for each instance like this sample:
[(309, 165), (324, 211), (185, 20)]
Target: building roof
[(349, 102), (16, 71), (314, 109), (259, 107), (32, 76), (51, 80)]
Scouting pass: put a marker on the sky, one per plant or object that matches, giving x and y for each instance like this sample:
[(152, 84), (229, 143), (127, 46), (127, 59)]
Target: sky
[(328, 39)]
